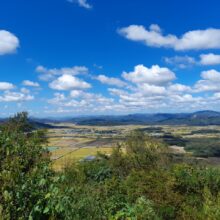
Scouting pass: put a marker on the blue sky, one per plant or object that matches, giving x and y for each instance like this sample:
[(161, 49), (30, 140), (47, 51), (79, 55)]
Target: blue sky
[(80, 57)]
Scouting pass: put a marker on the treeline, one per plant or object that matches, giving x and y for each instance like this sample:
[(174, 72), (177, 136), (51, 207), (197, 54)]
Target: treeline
[(140, 182)]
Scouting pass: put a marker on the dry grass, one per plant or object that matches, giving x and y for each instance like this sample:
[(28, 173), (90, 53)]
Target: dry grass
[(77, 154)]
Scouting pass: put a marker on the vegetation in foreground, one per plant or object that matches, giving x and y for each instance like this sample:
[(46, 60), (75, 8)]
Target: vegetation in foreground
[(144, 183)]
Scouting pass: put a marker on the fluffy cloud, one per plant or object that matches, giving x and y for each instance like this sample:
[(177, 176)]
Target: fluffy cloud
[(139, 100), (152, 37), (58, 98), (187, 61), (76, 93), (156, 101), (81, 3), (206, 85), (211, 75), (30, 83), (179, 88), (191, 40), (15, 97), (8, 42), (185, 98), (90, 97), (6, 86), (8, 96), (68, 82), (48, 74), (25, 91), (209, 59), (160, 96), (150, 90), (155, 75), (145, 91), (110, 81), (210, 81), (81, 102)]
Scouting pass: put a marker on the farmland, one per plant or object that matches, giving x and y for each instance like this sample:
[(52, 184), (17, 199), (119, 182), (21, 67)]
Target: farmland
[(69, 142)]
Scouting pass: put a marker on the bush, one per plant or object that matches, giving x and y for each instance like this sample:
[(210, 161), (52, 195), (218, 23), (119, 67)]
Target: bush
[(141, 182)]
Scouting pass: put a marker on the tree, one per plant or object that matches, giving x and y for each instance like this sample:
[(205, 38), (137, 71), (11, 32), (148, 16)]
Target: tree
[(24, 170)]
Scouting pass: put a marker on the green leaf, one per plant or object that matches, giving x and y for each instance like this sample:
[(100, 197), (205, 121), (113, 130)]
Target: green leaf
[(46, 210)]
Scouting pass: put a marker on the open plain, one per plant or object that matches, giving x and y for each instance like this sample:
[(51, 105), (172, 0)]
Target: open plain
[(69, 142)]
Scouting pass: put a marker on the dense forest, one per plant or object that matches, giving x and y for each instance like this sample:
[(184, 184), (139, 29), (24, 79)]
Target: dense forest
[(142, 182)]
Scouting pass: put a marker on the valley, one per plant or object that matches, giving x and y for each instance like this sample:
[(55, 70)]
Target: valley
[(69, 142)]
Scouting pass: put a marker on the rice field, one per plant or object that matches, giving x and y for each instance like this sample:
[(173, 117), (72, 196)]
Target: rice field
[(75, 142), (67, 156)]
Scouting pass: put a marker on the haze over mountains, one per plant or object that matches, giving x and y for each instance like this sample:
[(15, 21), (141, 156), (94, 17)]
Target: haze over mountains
[(195, 118)]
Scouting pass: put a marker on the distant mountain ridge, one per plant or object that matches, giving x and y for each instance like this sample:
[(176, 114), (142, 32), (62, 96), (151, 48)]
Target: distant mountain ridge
[(197, 118), (201, 118)]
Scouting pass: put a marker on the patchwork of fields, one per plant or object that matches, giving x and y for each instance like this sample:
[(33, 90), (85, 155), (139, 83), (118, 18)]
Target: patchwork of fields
[(69, 142)]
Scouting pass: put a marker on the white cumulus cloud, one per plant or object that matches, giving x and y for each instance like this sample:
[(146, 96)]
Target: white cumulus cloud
[(211, 75), (179, 88), (209, 59), (155, 75), (48, 74), (30, 83), (110, 81), (8, 42), (191, 40), (210, 81), (68, 82), (6, 86), (15, 97), (149, 90)]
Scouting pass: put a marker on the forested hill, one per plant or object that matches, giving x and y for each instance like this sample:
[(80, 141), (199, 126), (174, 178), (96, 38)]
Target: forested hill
[(36, 123)]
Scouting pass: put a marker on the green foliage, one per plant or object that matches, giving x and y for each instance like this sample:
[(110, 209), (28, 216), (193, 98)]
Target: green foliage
[(211, 205), (18, 123), (24, 170), (141, 209), (139, 183)]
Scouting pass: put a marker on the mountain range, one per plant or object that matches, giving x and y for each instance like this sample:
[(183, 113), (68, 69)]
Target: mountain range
[(202, 118), (199, 118)]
